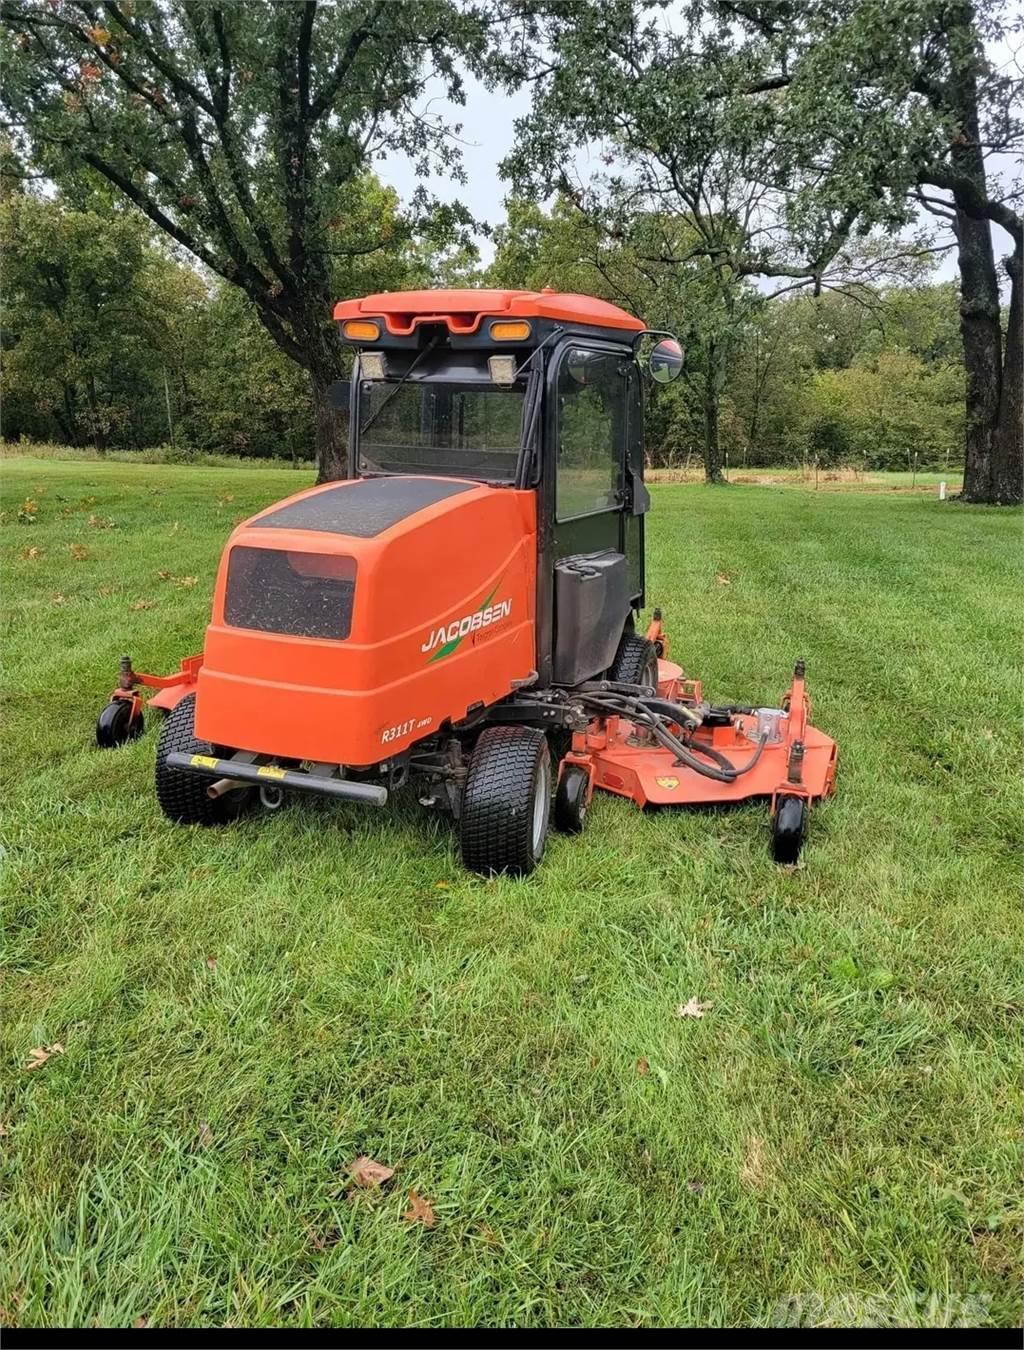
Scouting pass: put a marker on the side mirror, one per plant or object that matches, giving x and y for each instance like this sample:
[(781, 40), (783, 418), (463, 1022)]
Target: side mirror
[(666, 361)]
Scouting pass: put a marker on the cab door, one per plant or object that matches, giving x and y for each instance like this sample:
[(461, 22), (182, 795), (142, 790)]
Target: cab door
[(590, 388)]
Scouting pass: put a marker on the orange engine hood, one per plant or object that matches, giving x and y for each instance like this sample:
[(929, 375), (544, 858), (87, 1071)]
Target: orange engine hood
[(425, 588)]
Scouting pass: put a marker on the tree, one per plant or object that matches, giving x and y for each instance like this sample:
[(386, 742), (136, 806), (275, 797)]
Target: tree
[(694, 175), (82, 325), (242, 131), (902, 106)]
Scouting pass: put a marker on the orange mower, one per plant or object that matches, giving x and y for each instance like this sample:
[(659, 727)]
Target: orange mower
[(460, 611)]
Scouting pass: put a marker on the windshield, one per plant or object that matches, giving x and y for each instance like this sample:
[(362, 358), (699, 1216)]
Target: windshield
[(468, 430)]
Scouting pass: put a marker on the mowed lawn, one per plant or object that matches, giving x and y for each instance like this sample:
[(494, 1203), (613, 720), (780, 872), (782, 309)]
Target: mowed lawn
[(245, 1012)]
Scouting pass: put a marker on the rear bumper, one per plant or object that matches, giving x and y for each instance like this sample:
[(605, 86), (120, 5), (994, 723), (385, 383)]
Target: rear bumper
[(270, 775)]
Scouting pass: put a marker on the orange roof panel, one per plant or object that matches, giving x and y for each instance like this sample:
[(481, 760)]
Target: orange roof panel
[(463, 310)]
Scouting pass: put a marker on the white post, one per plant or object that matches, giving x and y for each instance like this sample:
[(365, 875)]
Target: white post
[(942, 492)]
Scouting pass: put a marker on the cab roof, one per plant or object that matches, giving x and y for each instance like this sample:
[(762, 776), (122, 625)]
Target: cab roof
[(463, 310)]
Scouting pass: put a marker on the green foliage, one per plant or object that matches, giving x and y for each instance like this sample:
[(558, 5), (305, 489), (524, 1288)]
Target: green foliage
[(244, 133), (84, 321)]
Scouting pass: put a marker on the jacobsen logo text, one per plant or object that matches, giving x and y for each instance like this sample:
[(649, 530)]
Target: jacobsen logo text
[(451, 636)]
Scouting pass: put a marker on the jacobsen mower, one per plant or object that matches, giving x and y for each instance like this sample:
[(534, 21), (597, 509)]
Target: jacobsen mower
[(460, 610)]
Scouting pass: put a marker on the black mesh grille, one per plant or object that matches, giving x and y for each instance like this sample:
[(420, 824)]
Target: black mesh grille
[(303, 594)]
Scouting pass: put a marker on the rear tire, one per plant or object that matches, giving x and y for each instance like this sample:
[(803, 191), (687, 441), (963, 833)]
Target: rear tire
[(636, 661), (182, 796), (507, 801)]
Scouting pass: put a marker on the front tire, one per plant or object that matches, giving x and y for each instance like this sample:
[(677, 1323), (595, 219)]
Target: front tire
[(507, 801), (636, 662), (182, 796)]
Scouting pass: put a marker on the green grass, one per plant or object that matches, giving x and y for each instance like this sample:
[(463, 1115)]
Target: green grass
[(843, 1127)]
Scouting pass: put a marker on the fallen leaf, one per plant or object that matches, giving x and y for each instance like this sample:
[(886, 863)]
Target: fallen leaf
[(28, 511), (31, 554), (78, 552), (695, 1187), (693, 1008), (643, 1067), (163, 574), (104, 591), (140, 1322), (419, 1211), (144, 604), (59, 599), (3, 1130), (754, 1170), (205, 1135), (722, 578), (38, 1056), (186, 581), (366, 1172), (442, 885)]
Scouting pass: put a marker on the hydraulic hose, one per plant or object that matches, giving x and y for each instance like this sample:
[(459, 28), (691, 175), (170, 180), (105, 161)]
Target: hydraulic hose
[(656, 715)]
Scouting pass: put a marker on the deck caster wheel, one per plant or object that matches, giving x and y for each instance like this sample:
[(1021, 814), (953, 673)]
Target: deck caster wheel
[(572, 800), (116, 725), (789, 829), (184, 797), (507, 801)]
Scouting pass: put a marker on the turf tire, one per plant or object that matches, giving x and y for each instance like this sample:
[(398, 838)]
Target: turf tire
[(182, 796), (507, 801), (636, 661)]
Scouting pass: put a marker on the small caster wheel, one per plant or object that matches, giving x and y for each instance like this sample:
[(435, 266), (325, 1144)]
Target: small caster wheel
[(789, 829), (571, 800), (115, 724)]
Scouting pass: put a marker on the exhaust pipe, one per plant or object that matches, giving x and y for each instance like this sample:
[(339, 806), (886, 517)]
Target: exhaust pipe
[(222, 786)]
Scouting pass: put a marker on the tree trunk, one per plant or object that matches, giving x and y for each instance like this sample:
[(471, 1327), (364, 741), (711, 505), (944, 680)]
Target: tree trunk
[(330, 428), (994, 454), (712, 448), (1008, 466), (982, 346)]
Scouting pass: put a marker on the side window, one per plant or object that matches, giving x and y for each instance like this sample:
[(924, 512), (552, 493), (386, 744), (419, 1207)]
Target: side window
[(591, 432)]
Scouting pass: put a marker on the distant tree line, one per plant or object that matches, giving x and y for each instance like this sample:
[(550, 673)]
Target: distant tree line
[(736, 148), (111, 341)]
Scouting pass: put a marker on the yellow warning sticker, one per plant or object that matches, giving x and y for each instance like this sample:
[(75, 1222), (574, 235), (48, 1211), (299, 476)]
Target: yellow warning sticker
[(270, 771), (204, 761), (667, 782)]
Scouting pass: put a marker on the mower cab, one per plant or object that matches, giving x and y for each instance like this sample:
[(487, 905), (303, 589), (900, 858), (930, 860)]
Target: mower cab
[(460, 609)]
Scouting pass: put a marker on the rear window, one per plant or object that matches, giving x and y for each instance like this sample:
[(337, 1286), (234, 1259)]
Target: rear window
[(301, 594)]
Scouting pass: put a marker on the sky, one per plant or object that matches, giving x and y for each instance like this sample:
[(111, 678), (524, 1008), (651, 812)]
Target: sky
[(486, 138)]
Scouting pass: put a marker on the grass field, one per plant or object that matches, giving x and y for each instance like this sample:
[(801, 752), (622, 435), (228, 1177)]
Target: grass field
[(243, 1013)]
